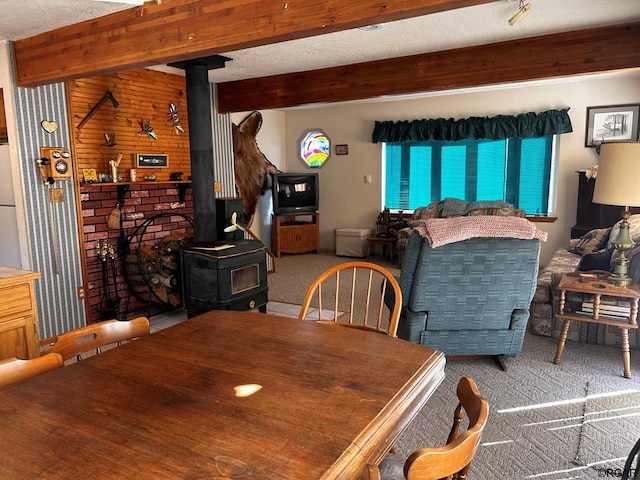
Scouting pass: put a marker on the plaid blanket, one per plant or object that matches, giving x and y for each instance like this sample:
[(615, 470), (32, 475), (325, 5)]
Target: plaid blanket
[(442, 231)]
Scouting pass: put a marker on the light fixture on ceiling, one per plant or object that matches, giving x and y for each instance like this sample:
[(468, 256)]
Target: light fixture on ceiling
[(523, 9), (371, 28)]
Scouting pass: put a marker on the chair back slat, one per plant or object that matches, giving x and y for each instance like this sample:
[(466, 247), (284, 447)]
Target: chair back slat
[(354, 295), (14, 370), (452, 460), (95, 336)]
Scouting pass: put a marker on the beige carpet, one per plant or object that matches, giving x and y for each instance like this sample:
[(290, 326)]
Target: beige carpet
[(568, 421), (294, 273)]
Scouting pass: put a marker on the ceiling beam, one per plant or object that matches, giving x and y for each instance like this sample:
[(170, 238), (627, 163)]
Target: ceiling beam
[(588, 51), (179, 30)]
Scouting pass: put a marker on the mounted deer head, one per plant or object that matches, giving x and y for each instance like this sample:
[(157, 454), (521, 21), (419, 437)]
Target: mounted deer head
[(252, 169)]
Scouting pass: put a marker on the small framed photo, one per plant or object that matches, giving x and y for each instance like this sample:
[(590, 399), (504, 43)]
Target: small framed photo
[(615, 123), (152, 160), (342, 149)]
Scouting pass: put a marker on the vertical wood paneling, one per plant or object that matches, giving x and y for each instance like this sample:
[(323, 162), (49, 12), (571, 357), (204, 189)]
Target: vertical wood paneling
[(55, 247), (53, 238), (143, 96)]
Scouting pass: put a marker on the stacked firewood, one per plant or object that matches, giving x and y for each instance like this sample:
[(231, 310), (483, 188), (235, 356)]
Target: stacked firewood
[(153, 271)]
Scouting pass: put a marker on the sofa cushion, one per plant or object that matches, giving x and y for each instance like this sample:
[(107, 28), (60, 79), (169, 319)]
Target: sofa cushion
[(591, 241), (599, 260), (562, 261), (423, 213)]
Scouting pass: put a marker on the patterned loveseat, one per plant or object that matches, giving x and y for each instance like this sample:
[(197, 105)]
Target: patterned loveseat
[(452, 207), (591, 252)]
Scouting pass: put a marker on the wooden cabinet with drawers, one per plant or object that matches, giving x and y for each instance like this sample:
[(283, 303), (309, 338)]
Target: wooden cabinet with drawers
[(297, 233), (18, 319)]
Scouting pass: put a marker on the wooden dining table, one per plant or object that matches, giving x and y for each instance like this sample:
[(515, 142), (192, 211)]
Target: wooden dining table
[(321, 401)]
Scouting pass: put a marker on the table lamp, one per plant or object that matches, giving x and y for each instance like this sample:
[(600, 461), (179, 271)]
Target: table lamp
[(618, 183)]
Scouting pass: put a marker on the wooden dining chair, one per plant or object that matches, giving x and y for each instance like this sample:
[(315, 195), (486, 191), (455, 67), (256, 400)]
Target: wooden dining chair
[(95, 336), (353, 293), (14, 370), (453, 459)]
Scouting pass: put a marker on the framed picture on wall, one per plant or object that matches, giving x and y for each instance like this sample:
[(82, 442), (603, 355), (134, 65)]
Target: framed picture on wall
[(152, 160), (314, 148), (342, 149), (615, 123)]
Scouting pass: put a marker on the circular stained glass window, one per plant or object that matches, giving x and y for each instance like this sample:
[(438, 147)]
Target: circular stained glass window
[(315, 148)]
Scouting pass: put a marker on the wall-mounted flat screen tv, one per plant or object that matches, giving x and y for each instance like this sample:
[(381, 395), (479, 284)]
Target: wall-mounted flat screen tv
[(295, 193)]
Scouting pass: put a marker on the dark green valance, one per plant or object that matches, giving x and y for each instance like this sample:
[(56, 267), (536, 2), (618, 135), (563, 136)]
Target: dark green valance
[(525, 125)]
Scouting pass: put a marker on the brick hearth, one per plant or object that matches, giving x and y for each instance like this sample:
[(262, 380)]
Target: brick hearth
[(142, 201)]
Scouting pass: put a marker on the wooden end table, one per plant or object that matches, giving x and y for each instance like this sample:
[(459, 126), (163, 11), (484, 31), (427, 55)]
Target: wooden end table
[(597, 287), (387, 242)]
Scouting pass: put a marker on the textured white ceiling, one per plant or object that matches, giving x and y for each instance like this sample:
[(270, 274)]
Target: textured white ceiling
[(457, 28)]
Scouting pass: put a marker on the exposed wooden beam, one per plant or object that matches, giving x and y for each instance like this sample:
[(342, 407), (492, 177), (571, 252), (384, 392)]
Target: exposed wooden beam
[(179, 30), (580, 52)]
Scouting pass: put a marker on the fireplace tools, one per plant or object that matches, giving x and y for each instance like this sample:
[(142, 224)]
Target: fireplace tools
[(106, 256)]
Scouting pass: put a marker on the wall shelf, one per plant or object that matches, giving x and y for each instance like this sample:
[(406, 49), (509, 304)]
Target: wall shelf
[(123, 187)]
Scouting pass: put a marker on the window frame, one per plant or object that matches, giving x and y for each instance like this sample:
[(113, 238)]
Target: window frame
[(552, 184)]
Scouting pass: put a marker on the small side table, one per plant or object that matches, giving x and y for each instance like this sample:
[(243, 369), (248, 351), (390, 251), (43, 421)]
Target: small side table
[(596, 286), (387, 242)]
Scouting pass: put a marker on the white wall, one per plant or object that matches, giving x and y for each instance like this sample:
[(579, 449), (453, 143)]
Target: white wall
[(347, 201), (14, 170)]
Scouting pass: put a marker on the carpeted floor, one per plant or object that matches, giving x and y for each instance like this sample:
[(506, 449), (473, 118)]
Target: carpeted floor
[(568, 421), (294, 273)]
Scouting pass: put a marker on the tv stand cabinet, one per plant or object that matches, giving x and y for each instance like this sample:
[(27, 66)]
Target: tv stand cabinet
[(296, 233)]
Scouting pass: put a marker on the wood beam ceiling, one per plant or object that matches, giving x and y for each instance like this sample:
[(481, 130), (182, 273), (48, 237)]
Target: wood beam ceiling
[(595, 50), (179, 30)]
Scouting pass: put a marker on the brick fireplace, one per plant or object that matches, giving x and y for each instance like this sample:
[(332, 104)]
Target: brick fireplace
[(141, 201)]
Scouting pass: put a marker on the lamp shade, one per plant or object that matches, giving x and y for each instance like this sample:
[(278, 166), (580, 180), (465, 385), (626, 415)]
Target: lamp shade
[(618, 179)]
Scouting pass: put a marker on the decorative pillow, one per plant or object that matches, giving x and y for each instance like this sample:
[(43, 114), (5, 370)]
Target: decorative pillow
[(591, 241), (509, 211), (599, 260), (422, 213)]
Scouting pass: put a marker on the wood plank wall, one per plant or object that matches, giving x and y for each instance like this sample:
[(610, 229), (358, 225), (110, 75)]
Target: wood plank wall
[(143, 95), (3, 119)]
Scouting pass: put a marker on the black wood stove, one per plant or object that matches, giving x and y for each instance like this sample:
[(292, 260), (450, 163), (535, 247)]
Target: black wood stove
[(225, 276), (218, 273)]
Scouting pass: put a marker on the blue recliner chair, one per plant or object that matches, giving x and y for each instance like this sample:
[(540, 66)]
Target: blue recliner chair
[(470, 297)]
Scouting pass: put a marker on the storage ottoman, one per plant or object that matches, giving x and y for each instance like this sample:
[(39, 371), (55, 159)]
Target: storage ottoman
[(352, 242)]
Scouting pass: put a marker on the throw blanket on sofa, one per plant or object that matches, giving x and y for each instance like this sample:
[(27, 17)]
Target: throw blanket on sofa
[(442, 231)]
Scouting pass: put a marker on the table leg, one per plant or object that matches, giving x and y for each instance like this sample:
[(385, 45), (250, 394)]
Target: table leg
[(626, 356), (368, 250), (561, 341)]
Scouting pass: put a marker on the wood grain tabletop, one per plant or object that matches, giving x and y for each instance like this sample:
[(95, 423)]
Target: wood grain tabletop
[(328, 400)]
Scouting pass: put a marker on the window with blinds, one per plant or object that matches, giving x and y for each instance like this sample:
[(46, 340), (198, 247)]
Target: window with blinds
[(515, 170)]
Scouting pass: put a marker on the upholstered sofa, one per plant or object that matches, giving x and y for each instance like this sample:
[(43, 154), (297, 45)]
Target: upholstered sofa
[(470, 296), (452, 207), (591, 252)]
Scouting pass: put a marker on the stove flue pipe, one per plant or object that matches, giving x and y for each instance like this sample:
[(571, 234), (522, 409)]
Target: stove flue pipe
[(199, 114), (201, 145)]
